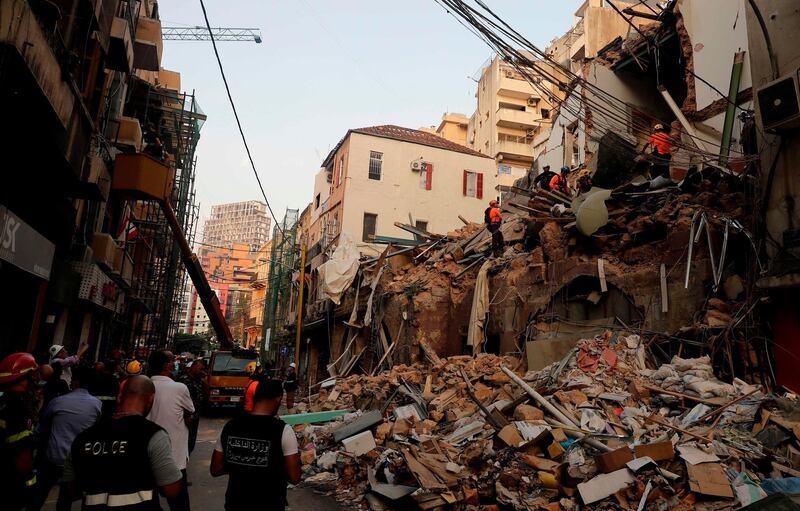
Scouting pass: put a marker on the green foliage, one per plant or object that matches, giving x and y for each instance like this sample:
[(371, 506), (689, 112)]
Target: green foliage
[(193, 343)]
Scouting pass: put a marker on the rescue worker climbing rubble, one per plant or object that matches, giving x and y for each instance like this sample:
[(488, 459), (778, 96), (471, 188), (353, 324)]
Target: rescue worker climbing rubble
[(17, 422), (660, 149), (559, 182), (543, 180), (584, 181), (494, 220)]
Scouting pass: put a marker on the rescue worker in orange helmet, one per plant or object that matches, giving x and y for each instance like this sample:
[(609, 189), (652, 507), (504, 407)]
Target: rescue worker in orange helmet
[(559, 182), (494, 219), (17, 442)]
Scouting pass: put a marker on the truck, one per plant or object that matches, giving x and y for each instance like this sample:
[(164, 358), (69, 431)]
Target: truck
[(228, 376)]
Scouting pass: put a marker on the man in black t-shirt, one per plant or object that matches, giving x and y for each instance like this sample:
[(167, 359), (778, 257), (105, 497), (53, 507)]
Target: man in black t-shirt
[(259, 453)]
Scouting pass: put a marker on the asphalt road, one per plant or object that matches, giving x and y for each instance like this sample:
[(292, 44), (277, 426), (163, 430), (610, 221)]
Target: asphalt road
[(207, 493)]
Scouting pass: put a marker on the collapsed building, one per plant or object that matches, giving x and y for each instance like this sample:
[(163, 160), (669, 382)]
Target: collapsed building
[(640, 294)]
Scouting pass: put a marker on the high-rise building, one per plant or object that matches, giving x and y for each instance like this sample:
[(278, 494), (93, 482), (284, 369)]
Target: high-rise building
[(238, 222)]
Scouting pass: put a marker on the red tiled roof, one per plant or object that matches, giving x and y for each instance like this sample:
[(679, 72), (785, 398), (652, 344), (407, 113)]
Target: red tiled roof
[(416, 137)]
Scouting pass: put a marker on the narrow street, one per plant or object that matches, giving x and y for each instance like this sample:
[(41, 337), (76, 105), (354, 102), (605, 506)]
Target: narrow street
[(208, 493)]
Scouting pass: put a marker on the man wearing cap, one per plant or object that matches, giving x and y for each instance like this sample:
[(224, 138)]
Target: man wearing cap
[(17, 443), (194, 379), (290, 385), (60, 356)]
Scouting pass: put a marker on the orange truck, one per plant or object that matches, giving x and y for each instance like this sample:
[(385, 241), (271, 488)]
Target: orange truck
[(229, 376)]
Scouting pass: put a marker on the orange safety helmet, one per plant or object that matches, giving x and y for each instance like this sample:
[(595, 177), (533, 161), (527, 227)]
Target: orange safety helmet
[(16, 366), (134, 367)]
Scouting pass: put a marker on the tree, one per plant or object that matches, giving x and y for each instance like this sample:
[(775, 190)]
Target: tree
[(192, 343)]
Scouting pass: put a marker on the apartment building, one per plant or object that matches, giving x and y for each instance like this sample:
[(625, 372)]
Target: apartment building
[(238, 222), (86, 248), (384, 174), (453, 127), (258, 299), (510, 113)]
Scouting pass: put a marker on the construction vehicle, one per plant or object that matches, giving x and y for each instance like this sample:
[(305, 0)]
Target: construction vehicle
[(228, 376)]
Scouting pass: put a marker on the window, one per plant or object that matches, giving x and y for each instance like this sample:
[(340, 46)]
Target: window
[(375, 165), (473, 184), (545, 113), (426, 176), (422, 225), (316, 202), (370, 221)]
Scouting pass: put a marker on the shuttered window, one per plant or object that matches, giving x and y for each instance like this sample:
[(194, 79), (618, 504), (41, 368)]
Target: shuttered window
[(473, 184)]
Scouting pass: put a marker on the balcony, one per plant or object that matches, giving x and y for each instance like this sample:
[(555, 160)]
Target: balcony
[(20, 29), (148, 46), (141, 177), (120, 46), (169, 80), (519, 119), (516, 148), (514, 85), (107, 253)]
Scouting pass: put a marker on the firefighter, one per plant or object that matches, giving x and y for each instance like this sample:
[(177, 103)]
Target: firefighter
[(494, 220), (17, 442)]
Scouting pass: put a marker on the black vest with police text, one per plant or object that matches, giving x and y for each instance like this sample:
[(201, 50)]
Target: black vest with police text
[(254, 461), (113, 467)]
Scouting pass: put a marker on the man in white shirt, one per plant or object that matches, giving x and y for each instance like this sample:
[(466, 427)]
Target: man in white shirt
[(171, 409)]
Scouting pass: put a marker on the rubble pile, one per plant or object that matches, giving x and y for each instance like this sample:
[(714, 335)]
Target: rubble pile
[(600, 429)]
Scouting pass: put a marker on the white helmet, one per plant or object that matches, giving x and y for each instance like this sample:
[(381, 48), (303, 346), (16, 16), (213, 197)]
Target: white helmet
[(54, 350), (292, 365)]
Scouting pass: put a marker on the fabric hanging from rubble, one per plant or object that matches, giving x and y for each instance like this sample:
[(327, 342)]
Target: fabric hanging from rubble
[(340, 270), (480, 307)]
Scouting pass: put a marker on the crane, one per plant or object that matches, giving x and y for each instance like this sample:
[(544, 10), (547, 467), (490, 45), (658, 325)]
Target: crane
[(220, 34)]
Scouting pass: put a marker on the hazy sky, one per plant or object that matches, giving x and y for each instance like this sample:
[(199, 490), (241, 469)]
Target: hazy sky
[(324, 67)]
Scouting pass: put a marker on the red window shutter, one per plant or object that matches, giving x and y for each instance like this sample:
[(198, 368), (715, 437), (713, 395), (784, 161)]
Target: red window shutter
[(480, 185), (428, 176), (465, 183)]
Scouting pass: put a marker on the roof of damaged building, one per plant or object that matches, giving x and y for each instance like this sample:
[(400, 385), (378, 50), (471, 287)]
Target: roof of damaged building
[(412, 136)]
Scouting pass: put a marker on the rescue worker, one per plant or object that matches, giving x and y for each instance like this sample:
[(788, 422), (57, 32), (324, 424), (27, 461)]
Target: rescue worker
[(543, 179), (494, 222), (125, 461), (250, 392), (17, 442), (290, 385), (195, 380), (661, 151), (559, 183), (61, 357), (584, 181), (259, 453)]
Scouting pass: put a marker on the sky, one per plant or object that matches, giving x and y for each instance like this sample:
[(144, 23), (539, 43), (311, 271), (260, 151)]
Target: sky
[(325, 67)]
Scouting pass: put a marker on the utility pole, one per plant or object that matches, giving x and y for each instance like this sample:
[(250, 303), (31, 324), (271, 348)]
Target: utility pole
[(300, 300)]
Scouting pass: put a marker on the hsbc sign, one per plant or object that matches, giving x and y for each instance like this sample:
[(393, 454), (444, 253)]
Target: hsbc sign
[(23, 247)]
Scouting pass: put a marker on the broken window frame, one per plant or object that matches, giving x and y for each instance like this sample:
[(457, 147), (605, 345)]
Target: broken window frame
[(367, 230)]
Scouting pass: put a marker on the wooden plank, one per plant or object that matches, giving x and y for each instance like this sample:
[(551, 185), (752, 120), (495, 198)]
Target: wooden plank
[(601, 273), (466, 222), (664, 296)]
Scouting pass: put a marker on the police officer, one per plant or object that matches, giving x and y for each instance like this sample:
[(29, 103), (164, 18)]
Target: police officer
[(259, 452), (124, 461), (17, 443)]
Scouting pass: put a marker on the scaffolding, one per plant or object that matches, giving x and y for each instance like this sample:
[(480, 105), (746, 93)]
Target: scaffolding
[(279, 292), (159, 279)]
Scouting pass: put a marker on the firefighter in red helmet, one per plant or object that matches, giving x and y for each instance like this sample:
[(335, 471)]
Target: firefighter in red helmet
[(17, 443)]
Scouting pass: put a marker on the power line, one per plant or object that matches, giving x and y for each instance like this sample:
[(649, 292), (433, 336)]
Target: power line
[(236, 116)]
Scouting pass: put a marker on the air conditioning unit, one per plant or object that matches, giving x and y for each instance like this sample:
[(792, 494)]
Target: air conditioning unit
[(530, 133), (416, 165), (532, 101), (779, 103)]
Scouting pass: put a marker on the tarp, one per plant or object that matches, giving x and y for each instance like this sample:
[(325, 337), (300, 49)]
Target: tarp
[(480, 306), (340, 270)]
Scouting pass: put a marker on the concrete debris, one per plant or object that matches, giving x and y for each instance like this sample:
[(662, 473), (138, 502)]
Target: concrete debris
[(604, 436)]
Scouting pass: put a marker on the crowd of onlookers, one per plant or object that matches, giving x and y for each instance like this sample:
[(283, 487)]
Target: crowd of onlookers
[(113, 437)]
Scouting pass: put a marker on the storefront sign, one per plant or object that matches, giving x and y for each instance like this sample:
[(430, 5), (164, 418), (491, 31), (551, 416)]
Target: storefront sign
[(98, 288), (23, 247)]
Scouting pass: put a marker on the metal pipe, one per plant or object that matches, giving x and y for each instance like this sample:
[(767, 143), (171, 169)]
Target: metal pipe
[(552, 410)]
